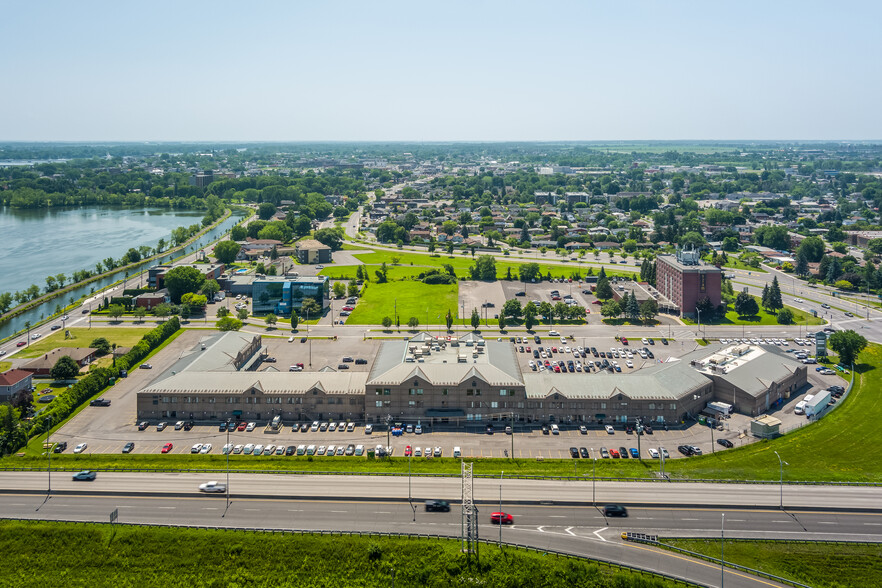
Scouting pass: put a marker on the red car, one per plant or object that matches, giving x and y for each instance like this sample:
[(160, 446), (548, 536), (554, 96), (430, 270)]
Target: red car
[(527, 349), (556, 369), (614, 453), (501, 518), (408, 451), (167, 447), (555, 297), (350, 308), (624, 340), (597, 302), (242, 426), (21, 343)]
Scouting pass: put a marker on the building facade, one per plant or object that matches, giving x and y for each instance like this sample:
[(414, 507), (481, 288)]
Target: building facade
[(312, 251), (280, 295), (12, 382), (684, 279)]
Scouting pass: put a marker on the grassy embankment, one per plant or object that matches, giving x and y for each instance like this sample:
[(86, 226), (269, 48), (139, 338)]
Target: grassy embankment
[(815, 564), (800, 317), (98, 555), (82, 337)]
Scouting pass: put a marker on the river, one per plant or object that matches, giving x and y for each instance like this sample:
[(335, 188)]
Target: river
[(44, 242)]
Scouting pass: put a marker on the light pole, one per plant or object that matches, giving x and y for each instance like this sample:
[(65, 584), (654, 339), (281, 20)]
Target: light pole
[(593, 479), (722, 546), (409, 493), (781, 464), (500, 506), (228, 468), (49, 452)]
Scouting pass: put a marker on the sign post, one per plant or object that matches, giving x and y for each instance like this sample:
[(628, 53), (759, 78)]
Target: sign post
[(821, 344)]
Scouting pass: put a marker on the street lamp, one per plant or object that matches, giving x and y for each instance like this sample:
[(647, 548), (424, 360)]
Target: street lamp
[(228, 467), (722, 546), (502, 473), (781, 464), (593, 479)]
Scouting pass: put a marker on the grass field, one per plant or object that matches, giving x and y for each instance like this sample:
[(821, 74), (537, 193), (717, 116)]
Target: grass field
[(412, 298), (122, 336), (5, 365), (763, 318), (815, 564), (96, 556)]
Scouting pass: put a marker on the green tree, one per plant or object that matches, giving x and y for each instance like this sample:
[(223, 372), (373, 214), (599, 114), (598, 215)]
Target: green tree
[(65, 369), (101, 344), (546, 310), (242, 314), (693, 239), (228, 323), (310, 307), (352, 288), (210, 288), (333, 238), (485, 268), (529, 272), (764, 299), (449, 320), (745, 305), (632, 309), (140, 312), (115, 310), (5, 302), (266, 210), (271, 320), (648, 310), (802, 267), (502, 322), (226, 251), (875, 245), (848, 345), (238, 233), (785, 317), (186, 311), (705, 307), (413, 322), (183, 279), (476, 319), (843, 285), (603, 291), (512, 308), (775, 302), (222, 312), (339, 290), (387, 322), (611, 309), (295, 320)]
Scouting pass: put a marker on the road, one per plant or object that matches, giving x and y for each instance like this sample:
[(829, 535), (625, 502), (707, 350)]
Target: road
[(580, 530)]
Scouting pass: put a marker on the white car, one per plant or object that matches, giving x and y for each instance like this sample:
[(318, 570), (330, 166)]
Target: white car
[(629, 363), (331, 449), (368, 429), (248, 449), (206, 448), (418, 430), (258, 450), (553, 334), (212, 487), (563, 339), (567, 349), (179, 425), (197, 447), (269, 449), (350, 427), (653, 452), (250, 427), (238, 449), (645, 341), (437, 452), (291, 339), (314, 427), (417, 452), (227, 448), (80, 448), (332, 427), (321, 450), (609, 429), (800, 300)]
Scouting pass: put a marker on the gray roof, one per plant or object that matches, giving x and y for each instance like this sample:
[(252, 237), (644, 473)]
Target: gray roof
[(758, 375), (668, 381), (289, 383)]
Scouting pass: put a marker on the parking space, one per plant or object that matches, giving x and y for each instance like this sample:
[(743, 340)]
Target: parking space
[(316, 353), (481, 295)]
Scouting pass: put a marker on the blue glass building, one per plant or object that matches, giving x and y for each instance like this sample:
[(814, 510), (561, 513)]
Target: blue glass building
[(282, 295)]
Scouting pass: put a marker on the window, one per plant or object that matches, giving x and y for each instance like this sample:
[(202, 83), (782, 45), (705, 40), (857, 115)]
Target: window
[(378, 391), (470, 392), (212, 400), (411, 403), (444, 392), (503, 392), (415, 391), (387, 392), (494, 405), (379, 404)]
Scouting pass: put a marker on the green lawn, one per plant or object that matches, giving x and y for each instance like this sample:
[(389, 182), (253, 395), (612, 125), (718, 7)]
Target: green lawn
[(5, 365), (800, 317), (82, 336), (412, 298), (815, 564), (100, 555)]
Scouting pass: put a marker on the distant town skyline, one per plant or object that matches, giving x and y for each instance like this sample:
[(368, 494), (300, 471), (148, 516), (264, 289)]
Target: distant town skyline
[(453, 71)]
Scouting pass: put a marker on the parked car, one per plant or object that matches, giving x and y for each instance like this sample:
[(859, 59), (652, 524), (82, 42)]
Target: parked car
[(128, 447), (167, 447), (725, 443), (142, 425), (145, 366), (609, 429), (634, 453), (574, 452), (80, 448), (250, 427)]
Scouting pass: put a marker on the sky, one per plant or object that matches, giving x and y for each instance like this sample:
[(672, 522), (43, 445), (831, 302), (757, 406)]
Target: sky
[(417, 70)]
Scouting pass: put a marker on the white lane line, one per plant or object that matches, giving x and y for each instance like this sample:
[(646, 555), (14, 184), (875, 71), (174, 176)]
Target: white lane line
[(736, 520), (569, 530), (295, 510), (382, 512), (210, 508), (826, 523), (340, 511), (690, 519), (873, 524), (600, 531), (168, 507), (557, 516)]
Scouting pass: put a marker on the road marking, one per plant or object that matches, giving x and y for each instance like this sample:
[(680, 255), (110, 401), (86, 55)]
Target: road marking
[(557, 516), (340, 511), (600, 531), (694, 520), (826, 523), (874, 524), (569, 530), (382, 512), (210, 508), (168, 507)]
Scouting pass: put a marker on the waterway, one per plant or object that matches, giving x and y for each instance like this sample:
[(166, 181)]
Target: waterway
[(39, 243)]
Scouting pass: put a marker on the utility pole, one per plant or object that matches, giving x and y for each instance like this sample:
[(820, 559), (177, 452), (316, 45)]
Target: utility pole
[(593, 479), (722, 547), (781, 464), (229, 450), (502, 473)]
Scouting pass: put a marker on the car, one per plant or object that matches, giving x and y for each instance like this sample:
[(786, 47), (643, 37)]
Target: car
[(206, 448), (323, 427), (213, 487), (725, 443), (501, 518), (167, 447), (555, 430), (143, 425), (544, 430), (228, 448), (437, 452), (417, 452), (248, 449), (408, 451), (583, 429), (437, 506), (145, 366), (55, 327), (351, 427), (614, 453), (100, 402), (179, 425), (665, 452), (825, 306), (161, 426), (241, 427), (350, 449), (197, 447), (342, 366), (80, 448), (615, 510), (634, 453), (36, 335), (269, 359), (695, 449), (360, 361), (520, 293), (84, 476), (127, 448), (623, 452), (685, 450), (653, 452), (604, 453), (21, 344), (609, 429), (258, 450), (848, 314), (250, 426), (368, 429), (59, 447)]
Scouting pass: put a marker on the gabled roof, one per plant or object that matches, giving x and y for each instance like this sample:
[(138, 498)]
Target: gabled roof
[(12, 377)]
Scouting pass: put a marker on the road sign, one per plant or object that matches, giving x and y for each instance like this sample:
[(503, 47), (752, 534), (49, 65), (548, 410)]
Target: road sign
[(821, 344), (114, 515)]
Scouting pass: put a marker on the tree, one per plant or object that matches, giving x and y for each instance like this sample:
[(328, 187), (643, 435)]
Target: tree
[(183, 279), (512, 308), (222, 312), (848, 345), (843, 285), (210, 288), (5, 302), (339, 290), (310, 307), (295, 320), (65, 369), (352, 288), (745, 305), (705, 307), (693, 239), (802, 267), (333, 238), (226, 251), (242, 314), (603, 291), (413, 322), (785, 317), (875, 245), (546, 311), (834, 270), (115, 310), (449, 320), (484, 268), (476, 319), (266, 210), (648, 310), (610, 309), (502, 322), (140, 312), (774, 303), (228, 323), (101, 344), (387, 322), (529, 272), (632, 309), (186, 311), (731, 243), (773, 237), (271, 320)]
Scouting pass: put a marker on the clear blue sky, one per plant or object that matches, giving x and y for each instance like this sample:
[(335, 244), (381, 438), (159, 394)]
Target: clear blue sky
[(426, 71)]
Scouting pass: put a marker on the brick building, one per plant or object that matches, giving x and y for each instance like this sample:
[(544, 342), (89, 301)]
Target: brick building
[(685, 279)]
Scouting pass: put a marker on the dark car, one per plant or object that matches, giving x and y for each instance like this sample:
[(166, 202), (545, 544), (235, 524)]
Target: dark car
[(650, 354), (574, 452), (189, 425), (60, 446), (269, 359), (664, 341), (145, 366), (685, 450), (142, 425), (615, 510), (583, 451), (537, 339), (360, 361), (623, 451), (647, 429), (652, 341), (84, 476), (303, 339), (127, 448), (222, 427), (342, 366), (544, 430), (437, 506), (290, 450), (725, 443), (520, 293), (100, 402), (489, 429), (629, 429)]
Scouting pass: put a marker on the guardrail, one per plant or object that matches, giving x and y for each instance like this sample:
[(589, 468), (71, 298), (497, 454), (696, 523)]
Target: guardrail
[(385, 534), (717, 560), (583, 478)]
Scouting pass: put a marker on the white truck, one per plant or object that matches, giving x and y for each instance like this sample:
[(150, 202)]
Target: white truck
[(817, 404)]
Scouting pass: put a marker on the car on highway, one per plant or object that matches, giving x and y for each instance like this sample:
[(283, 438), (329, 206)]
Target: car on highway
[(501, 518), (145, 366), (128, 447), (80, 448), (21, 344), (167, 447), (437, 506), (84, 476), (212, 487), (825, 306), (848, 314), (725, 443), (615, 510)]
